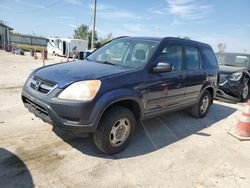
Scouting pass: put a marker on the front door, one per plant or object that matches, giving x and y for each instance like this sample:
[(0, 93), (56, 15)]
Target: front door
[(166, 90)]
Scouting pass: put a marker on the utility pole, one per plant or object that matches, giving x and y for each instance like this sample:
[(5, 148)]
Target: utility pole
[(93, 30)]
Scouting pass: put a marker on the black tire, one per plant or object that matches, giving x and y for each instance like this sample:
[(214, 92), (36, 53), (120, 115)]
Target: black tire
[(102, 136), (196, 110), (244, 97)]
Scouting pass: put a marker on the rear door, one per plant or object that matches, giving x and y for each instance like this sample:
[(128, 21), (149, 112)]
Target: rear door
[(196, 74)]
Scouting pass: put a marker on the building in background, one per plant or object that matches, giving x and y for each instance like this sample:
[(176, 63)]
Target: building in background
[(25, 42), (5, 41)]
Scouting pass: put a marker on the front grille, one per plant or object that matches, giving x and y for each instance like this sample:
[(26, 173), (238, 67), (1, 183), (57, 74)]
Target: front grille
[(37, 109), (35, 106), (42, 86)]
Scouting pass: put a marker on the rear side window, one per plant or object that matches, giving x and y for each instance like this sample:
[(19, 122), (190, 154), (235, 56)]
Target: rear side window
[(193, 58), (211, 57), (173, 55)]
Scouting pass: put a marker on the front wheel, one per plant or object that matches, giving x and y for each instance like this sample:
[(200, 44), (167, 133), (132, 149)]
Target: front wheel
[(244, 93), (201, 109), (115, 130)]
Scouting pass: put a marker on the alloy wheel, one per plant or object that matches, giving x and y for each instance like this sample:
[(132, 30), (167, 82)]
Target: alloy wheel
[(119, 132), (204, 104), (245, 92)]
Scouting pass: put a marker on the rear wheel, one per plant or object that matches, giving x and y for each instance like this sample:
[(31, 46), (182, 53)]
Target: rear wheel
[(115, 130), (201, 109), (244, 93)]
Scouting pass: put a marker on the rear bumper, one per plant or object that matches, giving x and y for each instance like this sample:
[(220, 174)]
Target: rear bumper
[(69, 116)]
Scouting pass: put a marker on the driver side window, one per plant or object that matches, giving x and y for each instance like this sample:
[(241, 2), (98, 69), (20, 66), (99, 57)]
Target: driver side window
[(173, 55)]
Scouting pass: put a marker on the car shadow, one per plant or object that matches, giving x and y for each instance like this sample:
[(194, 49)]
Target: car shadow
[(13, 172), (155, 133)]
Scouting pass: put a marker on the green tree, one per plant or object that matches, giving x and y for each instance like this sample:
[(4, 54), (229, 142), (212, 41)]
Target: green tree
[(81, 32), (104, 40)]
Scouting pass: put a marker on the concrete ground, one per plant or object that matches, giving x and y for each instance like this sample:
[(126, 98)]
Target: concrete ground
[(172, 150)]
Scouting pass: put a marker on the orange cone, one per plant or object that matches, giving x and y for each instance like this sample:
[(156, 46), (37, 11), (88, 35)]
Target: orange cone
[(242, 129)]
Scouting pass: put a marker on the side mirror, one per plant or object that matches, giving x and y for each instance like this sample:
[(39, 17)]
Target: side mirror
[(86, 54), (162, 67), (83, 55)]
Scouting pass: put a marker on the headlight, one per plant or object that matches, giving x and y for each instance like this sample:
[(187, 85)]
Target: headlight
[(235, 76), (83, 90), (30, 77)]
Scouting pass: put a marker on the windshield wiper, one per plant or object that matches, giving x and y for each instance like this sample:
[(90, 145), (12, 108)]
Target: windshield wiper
[(108, 63), (229, 65)]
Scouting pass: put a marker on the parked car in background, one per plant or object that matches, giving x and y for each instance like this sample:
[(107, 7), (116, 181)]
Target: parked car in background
[(127, 79), (234, 76)]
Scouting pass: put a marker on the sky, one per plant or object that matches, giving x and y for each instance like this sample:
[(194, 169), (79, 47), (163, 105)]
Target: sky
[(210, 21)]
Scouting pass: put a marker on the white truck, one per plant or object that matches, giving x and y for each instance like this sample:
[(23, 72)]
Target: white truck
[(66, 47)]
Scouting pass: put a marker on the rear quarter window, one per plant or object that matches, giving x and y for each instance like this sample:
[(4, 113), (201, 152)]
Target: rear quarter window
[(210, 57)]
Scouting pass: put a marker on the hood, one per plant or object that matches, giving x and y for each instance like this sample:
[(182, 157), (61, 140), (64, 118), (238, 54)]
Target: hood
[(229, 69), (65, 74)]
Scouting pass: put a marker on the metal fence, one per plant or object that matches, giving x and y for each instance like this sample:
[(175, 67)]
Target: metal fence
[(29, 40)]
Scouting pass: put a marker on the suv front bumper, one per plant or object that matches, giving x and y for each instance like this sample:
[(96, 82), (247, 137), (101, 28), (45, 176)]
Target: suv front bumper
[(68, 115)]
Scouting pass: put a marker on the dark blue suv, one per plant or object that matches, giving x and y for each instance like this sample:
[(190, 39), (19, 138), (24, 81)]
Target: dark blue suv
[(127, 79)]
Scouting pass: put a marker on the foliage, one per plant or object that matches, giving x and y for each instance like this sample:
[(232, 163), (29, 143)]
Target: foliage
[(83, 32), (104, 40), (15, 34)]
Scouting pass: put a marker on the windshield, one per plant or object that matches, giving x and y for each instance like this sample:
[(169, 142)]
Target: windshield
[(235, 60), (133, 53)]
